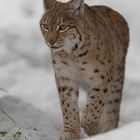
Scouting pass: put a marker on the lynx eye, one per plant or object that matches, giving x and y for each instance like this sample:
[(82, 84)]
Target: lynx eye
[(63, 28), (45, 27)]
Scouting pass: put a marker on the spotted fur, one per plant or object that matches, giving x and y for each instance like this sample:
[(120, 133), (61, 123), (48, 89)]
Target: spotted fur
[(88, 45)]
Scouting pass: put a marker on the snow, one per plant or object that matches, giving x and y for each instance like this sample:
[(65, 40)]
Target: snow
[(128, 132), (29, 104)]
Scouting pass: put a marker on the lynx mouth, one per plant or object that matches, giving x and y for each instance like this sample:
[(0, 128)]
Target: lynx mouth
[(56, 48)]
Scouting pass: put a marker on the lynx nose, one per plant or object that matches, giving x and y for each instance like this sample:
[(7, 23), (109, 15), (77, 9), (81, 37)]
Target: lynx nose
[(52, 38), (52, 42)]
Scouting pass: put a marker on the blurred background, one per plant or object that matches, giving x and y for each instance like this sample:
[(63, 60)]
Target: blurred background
[(25, 65)]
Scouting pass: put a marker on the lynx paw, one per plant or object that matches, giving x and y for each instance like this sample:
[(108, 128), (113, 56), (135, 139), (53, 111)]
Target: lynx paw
[(90, 126), (69, 136), (90, 129)]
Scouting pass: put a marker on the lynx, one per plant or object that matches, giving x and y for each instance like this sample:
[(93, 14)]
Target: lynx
[(88, 47)]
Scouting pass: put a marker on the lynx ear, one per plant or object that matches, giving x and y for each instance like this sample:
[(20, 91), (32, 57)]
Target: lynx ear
[(48, 4), (76, 7)]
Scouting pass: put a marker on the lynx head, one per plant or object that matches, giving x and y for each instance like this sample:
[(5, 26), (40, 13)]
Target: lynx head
[(61, 24)]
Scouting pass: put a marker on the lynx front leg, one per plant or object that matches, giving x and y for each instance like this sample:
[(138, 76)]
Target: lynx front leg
[(67, 80), (68, 94), (94, 114)]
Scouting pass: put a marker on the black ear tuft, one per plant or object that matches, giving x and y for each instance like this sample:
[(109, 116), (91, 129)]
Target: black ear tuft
[(77, 7), (48, 4)]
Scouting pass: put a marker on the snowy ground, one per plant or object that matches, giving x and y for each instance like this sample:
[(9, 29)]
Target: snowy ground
[(29, 107)]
